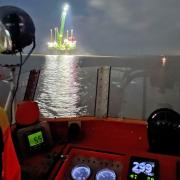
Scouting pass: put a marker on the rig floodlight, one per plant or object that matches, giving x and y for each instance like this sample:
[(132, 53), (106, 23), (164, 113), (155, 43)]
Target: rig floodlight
[(66, 7)]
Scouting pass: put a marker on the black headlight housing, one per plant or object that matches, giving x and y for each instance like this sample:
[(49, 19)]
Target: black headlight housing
[(17, 30)]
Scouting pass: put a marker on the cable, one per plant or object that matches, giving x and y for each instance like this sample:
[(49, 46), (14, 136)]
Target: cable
[(18, 78), (16, 89), (30, 52)]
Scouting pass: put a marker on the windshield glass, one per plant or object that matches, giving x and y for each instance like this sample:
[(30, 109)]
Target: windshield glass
[(67, 85)]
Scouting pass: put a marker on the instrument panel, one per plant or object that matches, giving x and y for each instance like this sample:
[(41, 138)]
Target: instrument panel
[(95, 168), (84, 164), (89, 165)]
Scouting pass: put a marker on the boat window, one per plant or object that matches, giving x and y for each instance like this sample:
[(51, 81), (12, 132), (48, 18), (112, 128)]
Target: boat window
[(141, 86), (67, 85)]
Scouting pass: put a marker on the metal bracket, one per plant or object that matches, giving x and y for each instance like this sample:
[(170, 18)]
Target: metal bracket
[(102, 92)]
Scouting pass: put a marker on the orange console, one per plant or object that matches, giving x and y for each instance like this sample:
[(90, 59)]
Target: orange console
[(119, 166), (98, 149)]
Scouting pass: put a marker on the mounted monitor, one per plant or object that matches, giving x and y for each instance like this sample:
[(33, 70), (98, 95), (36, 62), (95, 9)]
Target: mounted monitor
[(143, 169), (34, 138)]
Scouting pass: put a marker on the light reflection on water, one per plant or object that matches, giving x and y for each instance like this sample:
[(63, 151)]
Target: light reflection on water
[(59, 86)]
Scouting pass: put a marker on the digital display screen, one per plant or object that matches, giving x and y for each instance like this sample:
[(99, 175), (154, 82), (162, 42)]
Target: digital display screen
[(143, 169), (35, 138)]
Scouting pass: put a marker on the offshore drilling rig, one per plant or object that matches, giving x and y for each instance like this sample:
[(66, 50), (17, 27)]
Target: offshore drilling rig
[(58, 40)]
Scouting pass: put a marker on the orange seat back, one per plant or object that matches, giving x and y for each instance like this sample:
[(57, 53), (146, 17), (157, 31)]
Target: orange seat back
[(27, 113)]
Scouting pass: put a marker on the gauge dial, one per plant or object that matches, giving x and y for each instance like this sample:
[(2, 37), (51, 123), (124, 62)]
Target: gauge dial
[(106, 174), (80, 172)]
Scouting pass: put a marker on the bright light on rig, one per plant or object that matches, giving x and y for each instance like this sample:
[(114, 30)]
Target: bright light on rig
[(66, 7), (163, 60)]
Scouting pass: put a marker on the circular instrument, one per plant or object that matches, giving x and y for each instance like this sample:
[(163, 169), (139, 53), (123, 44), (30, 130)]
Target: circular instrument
[(106, 174), (80, 172)]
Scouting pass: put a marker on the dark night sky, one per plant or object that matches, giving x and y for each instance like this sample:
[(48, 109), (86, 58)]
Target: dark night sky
[(110, 27)]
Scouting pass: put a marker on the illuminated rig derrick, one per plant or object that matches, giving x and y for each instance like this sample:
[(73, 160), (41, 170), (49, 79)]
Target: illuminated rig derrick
[(58, 42)]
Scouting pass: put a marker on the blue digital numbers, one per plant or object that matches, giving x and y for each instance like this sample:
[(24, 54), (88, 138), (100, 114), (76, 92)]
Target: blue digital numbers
[(143, 167)]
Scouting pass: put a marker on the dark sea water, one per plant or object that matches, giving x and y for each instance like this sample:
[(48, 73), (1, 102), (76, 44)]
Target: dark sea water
[(67, 84)]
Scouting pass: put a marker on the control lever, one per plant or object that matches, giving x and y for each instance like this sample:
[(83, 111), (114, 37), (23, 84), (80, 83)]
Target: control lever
[(56, 156)]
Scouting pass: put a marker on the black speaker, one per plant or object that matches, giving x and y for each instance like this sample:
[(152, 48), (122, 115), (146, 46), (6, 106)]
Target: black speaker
[(164, 131), (20, 27)]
